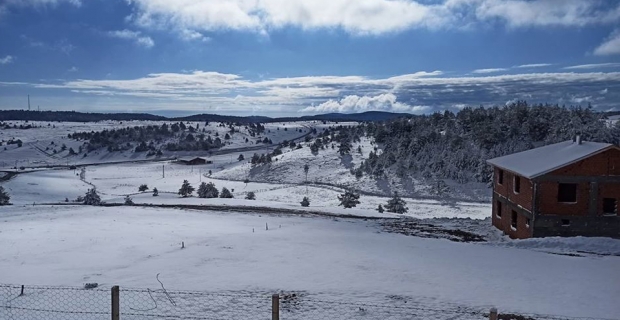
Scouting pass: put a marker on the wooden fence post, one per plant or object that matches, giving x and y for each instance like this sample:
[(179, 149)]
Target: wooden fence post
[(116, 315), (493, 314), (275, 307)]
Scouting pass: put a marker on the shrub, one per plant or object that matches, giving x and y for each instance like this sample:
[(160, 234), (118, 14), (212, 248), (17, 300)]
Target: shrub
[(155, 192), (250, 196), (349, 199), (226, 193), (92, 198), (305, 202), (143, 187)]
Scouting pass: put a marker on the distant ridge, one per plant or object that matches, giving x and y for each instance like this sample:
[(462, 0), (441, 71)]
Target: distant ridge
[(73, 116)]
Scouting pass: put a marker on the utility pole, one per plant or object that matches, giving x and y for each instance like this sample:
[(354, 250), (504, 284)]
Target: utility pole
[(163, 171), (28, 102)]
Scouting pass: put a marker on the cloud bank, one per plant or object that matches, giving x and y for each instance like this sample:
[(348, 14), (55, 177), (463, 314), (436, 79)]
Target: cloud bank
[(135, 36)]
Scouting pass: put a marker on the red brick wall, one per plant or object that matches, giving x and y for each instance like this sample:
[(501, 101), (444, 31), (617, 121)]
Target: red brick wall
[(603, 164), (607, 190), (548, 203), (523, 198), (505, 223)]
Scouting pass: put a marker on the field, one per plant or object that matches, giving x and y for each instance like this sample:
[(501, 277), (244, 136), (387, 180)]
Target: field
[(442, 254)]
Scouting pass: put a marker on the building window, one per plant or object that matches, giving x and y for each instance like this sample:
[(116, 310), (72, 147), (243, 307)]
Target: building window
[(500, 176), (517, 184), (513, 220), (527, 222), (565, 223), (498, 206), (567, 192), (610, 206)]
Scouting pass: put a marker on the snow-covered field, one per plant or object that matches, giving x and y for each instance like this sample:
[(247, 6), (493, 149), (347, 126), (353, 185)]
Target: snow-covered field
[(329, 259), (325, 256)]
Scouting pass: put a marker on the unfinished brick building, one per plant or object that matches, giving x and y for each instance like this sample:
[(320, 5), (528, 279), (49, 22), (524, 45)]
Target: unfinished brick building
[(570, 188)]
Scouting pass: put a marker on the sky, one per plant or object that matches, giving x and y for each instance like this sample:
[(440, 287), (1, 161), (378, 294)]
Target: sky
[(302, 57)]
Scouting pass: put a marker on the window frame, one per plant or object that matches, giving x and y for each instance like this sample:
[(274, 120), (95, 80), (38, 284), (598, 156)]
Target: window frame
[(498, 209), (514, 220), (500, 177), (567, 184), (514, 184)]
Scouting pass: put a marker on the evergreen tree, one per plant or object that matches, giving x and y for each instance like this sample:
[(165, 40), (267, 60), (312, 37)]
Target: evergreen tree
[(305, 202), (92, 198), (211, 191), (202, 190), (345, 146), (143, 187), (128, 201), (380, 208), (396, 205), (306, 169), (225, 193), (240, 158), (349, 199), (155, 192), (186, 189), (4, 197), (250, 196)]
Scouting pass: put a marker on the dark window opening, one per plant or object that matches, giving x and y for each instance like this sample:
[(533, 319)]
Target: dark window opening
[(567, 192), (527, 222), (500, 176), (498, 205), (610, 206), (517, 184), (513, 220), (565, 222)]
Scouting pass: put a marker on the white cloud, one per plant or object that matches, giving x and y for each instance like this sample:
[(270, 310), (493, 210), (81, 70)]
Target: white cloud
[(72, 69), (6, 60), (415, 93), (191, 35), (136, 36), (355, 103), (363, 17), (611, 45), (533, 65), (593, 66), (490, 70)]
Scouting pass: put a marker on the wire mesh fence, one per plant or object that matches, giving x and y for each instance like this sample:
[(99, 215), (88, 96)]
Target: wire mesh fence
[(94, 303), (53, 303)]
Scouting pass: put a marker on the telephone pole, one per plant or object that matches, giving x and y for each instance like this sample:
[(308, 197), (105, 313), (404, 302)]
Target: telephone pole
[(28, 102)]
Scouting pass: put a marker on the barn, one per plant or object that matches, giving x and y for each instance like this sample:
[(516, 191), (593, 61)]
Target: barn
[(569, 188), (193, 161)]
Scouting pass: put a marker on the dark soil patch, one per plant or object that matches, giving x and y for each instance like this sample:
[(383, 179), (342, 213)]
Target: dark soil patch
[(428, 230)]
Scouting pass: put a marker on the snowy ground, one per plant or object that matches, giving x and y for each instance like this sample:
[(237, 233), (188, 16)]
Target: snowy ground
[(351, 260)]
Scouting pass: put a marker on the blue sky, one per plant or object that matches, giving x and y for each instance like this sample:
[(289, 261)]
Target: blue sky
[(298, 57)]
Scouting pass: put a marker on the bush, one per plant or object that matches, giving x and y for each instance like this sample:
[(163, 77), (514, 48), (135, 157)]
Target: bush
[(396, 204), (143, 187), (226, 193), (349, 199), (92, 198), (155, 192), (128, 201), (4, 197), (250, 196), (305, 202), (380, 209)]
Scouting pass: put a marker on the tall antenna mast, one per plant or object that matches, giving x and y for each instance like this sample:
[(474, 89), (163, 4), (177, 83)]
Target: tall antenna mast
[(28, 102)]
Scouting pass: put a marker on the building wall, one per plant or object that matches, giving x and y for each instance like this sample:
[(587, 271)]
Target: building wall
[(549, 226), (506, 189), (603, 164), (504, 223), (548, 202)]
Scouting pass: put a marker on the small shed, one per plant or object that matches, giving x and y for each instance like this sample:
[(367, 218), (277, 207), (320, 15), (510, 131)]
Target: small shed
[(193, 161)]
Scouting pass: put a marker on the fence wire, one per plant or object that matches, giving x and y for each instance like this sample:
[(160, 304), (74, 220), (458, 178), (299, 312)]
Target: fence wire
[(69, 303), (138, 304), (53, 303)]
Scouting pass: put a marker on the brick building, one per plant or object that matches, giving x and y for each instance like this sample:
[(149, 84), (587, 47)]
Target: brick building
[(570, 188)]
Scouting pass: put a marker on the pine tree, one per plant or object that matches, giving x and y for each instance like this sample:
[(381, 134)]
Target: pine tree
[(128, 201), (305, 202), (240, 158), (250, 196), (349, 199), (226, 193), (396, 205), (155, 192), (202, 190), (345, 146), (211, 191), (380, 208), (186, 189), (4, 197), (92, 198), (143, 187)]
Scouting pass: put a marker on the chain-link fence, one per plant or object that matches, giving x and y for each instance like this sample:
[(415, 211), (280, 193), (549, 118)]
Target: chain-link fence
[(95, 303)]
